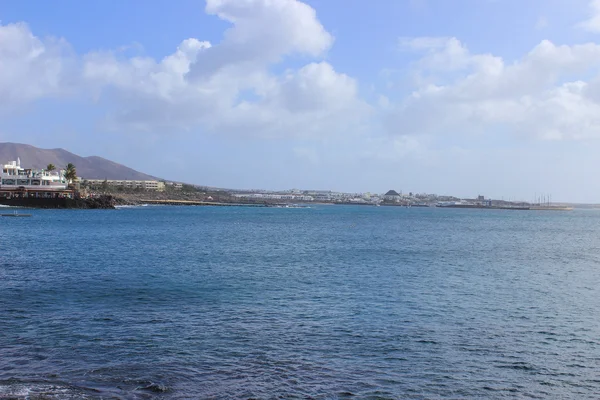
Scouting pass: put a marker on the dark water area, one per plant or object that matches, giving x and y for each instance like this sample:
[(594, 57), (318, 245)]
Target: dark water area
[(331, 302)]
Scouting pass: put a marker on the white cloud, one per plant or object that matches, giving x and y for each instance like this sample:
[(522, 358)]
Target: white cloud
[(424, 42), (315, 87), (592, 24), (533, 96), (228, 87), (263, 31), (441, 54), (155, 95), (396, 148), (309, 102), (165, 79), (31, 68)]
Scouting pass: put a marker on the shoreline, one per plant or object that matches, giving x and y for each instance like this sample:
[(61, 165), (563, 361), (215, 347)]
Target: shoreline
[(113, 200), (100, 202), (197, 203)]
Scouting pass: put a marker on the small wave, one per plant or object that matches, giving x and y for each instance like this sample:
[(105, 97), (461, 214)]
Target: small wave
[(518, 366), (139, 205), (18, 390), (155, 388), (132, 205), (502, 389), (426, 341)]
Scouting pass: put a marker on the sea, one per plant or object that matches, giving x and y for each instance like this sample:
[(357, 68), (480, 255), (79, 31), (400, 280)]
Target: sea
[(326, 302)]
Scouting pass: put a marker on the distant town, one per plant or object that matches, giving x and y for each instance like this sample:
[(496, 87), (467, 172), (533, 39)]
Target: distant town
[(28, 184), (390, 198)]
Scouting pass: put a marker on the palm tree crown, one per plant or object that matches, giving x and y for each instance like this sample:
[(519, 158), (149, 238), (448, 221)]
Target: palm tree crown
[(70, 172), (50, 167)]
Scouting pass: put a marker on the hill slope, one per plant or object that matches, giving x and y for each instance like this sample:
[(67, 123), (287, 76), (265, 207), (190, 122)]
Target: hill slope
[(87, 167)]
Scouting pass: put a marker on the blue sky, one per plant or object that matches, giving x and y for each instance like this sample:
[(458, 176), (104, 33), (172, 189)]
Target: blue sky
[(498, 97)]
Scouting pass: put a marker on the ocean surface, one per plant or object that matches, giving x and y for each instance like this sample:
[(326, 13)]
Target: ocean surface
[(329, 302)]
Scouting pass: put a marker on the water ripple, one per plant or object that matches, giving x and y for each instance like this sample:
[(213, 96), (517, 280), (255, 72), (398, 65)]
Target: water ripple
[(178, 303)]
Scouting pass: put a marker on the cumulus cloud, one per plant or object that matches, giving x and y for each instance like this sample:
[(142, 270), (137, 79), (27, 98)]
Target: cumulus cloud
[(31, 68), (263, 32), (592, 24), (309, 102), (154, 94), (229, 87), (226, 87), (535, 95), (441, 54)]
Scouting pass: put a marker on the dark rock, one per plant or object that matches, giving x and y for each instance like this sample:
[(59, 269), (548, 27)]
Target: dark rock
[(100, 202)]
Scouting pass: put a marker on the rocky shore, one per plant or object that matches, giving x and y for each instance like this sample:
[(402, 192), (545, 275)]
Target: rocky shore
[(141, 197), (98, 202)]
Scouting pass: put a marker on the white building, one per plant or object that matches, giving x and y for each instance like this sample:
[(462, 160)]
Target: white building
[(128, 184), (273, 196), (392, 196), (175, 185), (13, 176)]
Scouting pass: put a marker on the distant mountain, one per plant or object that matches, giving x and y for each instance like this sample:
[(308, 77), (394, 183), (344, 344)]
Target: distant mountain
[(87, 167)]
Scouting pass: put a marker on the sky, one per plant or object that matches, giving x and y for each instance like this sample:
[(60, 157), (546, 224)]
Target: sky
[(466, 97)]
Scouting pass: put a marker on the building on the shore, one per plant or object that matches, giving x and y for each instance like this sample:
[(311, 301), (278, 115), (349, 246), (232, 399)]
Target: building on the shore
[(127, 184), (273, 196), (39, 192), (392, 196), (13, 176), (174, 185)]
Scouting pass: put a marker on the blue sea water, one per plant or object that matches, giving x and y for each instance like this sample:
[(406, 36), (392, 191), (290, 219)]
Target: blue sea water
[(331, 302)]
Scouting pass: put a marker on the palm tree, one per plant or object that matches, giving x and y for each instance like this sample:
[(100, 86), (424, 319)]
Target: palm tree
[(50, 167), (70, 173)]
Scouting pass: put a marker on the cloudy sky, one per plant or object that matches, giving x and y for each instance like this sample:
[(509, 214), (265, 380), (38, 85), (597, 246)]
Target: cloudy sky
[(464, 97)]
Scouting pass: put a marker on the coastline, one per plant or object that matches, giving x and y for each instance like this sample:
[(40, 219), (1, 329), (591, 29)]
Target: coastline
[(196, 203), (110, 200)]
